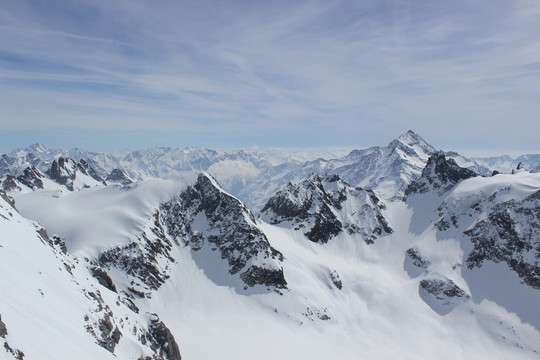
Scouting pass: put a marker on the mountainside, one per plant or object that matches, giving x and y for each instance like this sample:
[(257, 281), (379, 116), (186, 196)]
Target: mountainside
[(440, 175), (494, 219), (423, 251), (233, 168), (207, 219), (385, 170), (324, 207), (57, 306), (251, 175)]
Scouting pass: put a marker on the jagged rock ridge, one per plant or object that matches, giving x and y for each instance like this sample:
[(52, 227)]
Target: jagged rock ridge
[(323, 207), (510, 233), (78, 297), (204, 216), (146, 260), (440, 174)]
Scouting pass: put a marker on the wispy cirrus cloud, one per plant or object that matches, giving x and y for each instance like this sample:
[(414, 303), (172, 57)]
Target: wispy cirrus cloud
[(308, 72)]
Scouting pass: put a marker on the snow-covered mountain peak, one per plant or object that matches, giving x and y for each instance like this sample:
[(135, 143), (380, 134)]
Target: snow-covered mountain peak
[(410, 138), (332, 268), (37, 149), (322, 207), (223, 234), (412, 145)]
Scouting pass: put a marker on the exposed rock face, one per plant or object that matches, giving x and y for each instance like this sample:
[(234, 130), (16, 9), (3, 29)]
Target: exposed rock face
[(119, 176), (16, 353), (162, 340), (10, 183), (415, 264), (146, 259), (32, 178), (206, 217), (323, 207), (440, 175), (103, 328), (8, 199), (103, 278), (510, 233), (334, 276), (389, 170), (63, 171), (108, 318), (3, 329), (442, 295), (86, 169)]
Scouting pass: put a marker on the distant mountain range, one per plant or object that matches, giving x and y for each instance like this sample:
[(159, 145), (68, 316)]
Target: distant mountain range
[(394, 252)]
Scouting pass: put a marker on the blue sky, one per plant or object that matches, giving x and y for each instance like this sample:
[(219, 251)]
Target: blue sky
[(131, 74)]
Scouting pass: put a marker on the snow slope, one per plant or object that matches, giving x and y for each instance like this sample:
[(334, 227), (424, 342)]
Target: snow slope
[(345, 299), (52, 307), (449, 272)]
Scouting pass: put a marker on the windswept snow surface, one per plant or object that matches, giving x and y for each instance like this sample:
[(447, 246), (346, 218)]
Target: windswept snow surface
[(95, 219), (410, 294), (494, 280), (50, 305), (378, 314)]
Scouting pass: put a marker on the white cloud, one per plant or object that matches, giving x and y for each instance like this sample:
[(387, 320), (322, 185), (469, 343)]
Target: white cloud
[(364, 67)]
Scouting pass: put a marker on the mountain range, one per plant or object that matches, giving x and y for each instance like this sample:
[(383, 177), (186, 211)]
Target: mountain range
[(393, 252)]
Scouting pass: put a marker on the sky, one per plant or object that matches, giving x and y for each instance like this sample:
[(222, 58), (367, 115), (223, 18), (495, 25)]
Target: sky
[(465, 75)]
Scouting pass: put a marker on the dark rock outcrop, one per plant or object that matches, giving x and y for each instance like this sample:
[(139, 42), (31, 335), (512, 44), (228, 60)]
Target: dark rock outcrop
[(318, 207), (145, 259), (103, 278), (3, 328), (445, 291), (442, 295), (16, 353), (440, 174), (510, 233), (10, 183), (228, 227), (442, 290), (32, 178), (162, 340), (103, 327), (8, 199), (63, 171), (119, 176), (334, 276), (86, 169), (415, 264)]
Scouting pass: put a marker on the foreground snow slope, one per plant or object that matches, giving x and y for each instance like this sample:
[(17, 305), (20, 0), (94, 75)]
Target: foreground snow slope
[(55, 306), (344, 298), (98, 218)]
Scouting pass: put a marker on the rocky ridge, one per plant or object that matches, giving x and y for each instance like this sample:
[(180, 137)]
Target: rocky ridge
[(323, 207), (109, 316), (440, 175), (206, 217)]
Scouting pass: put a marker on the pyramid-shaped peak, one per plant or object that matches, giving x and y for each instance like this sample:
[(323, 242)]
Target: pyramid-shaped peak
[(37, 148), (410, 138)]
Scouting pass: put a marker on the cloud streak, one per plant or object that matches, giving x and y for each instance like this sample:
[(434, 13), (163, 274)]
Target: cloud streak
[(333, 72)]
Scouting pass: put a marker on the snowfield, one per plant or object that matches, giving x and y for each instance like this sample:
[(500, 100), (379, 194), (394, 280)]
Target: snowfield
[(130, 261)]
